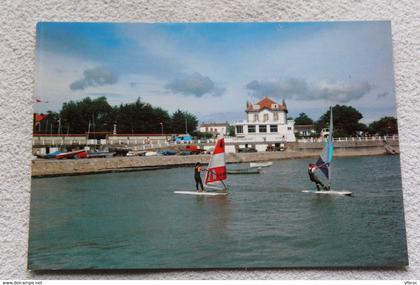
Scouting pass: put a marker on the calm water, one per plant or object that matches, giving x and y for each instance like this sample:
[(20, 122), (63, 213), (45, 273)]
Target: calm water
[(133, 220)]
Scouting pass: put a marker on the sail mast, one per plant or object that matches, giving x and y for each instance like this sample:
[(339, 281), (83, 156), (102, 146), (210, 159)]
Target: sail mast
[(330, 144)]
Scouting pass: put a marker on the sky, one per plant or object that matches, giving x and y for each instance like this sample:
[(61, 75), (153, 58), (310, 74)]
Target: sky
[(213, 69)]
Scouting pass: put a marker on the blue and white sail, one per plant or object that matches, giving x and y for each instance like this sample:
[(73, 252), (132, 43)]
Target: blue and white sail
[(324, 160)]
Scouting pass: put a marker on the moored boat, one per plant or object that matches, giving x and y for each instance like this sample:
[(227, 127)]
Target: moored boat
[(260, 164), (244, 171), (72, 154)]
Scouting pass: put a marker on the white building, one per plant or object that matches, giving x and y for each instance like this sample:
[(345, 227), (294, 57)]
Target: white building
[(266, 121), (215, 128)]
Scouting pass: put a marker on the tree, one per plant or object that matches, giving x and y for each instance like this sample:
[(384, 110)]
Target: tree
[(49, 124), (231, 131), (303, 119), (180, 120), (385, 126), (139, 117), (345, 119), (87, 114)]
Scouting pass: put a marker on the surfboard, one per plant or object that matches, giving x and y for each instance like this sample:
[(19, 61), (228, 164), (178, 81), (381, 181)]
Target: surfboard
[(331, 192), (202, 193)]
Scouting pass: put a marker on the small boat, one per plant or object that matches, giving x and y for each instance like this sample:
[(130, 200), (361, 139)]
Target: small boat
[(260, 164), (136, 153), (72, 154), (152, 153), (167, 152), (244, 171), (99, 154), (390, 150), (52, 154)]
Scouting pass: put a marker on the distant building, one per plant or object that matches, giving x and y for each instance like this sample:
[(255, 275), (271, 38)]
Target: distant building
[(266, 120), (305, 131), (214, 128)]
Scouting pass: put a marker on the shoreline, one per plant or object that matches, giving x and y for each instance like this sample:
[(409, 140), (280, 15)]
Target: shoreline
[(44, 168)]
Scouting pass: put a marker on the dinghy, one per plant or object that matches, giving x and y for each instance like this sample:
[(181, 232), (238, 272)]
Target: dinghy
[(244, 171), (260, 164), (216, 174), (324, 163)]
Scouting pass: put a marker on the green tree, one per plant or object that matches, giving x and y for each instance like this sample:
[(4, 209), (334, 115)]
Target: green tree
[(80, 116), (345, 119), (49, 124), (139, 117), (178, 120), (303, 119), (384, 126), (231, 131)]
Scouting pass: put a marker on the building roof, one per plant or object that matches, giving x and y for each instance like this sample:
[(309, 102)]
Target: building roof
[(266, 103)]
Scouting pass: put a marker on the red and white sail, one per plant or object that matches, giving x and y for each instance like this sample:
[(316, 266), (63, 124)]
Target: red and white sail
[(216, 170)]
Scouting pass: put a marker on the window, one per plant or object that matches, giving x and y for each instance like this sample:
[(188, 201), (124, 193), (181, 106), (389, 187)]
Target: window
[(251, 128), (255, 117), (265, 117), (273, 128), (289, 128), (262, 128), (276, 116), (239, 129)]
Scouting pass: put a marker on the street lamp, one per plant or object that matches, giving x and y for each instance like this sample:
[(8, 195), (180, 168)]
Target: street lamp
[(161, 126)]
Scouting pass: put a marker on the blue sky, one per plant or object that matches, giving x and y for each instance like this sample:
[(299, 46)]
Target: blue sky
[(212, 69)]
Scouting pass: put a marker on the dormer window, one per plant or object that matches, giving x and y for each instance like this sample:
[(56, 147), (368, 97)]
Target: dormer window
[(265, 117)]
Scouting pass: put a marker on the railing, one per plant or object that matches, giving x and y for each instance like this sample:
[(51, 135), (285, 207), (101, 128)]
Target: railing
[(349, 139)]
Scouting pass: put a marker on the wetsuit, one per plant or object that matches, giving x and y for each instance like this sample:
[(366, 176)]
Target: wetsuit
[(197, 178), (315, 179)]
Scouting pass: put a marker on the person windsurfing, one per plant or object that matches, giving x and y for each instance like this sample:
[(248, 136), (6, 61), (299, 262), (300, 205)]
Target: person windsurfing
[(197, 176), (311, 172)]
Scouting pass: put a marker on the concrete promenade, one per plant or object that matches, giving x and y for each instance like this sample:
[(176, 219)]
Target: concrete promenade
[(55, 167)]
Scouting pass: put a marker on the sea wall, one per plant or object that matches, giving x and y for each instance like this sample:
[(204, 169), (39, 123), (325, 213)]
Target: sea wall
[(54, 167)]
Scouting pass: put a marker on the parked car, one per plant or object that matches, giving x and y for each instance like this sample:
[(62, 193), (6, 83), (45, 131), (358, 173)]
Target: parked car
[(185, 152), (184, 139)]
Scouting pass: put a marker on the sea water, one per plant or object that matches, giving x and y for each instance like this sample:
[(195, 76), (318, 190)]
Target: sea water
[(134, 220)]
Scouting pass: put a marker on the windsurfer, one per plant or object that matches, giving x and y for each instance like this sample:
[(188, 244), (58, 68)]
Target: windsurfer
[(311, 172), (197, 176)]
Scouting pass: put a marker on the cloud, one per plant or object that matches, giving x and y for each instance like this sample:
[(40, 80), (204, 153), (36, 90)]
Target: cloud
[(98, 76), (195, 85), (300, 89)]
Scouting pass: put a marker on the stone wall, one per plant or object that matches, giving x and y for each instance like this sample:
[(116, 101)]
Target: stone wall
[(55, 167)]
